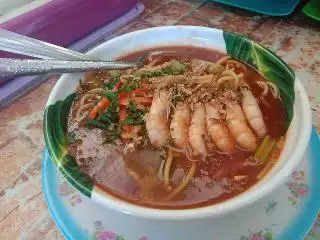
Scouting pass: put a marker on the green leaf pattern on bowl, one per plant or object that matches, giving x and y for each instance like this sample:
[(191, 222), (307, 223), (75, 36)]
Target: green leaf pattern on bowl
[(55, 129)]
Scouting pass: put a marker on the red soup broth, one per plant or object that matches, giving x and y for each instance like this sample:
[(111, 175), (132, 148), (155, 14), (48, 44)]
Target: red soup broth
[(218, 178)]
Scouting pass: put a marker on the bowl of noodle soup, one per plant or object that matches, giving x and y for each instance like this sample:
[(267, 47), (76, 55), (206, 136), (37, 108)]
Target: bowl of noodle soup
[(210, 123)]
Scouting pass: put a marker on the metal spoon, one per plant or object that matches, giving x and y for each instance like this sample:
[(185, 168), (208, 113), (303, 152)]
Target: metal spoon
[(16, 43), (10, 67), (56, 59), (71, 61)]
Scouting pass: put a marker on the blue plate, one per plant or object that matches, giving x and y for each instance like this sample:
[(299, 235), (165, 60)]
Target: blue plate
[(287, 214), (267, 7)]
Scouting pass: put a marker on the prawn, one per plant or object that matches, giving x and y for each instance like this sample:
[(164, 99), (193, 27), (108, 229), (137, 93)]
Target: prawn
[(180, 124), (197, 131), (157, 119), (239, 128), (253, 113), (217, 130)]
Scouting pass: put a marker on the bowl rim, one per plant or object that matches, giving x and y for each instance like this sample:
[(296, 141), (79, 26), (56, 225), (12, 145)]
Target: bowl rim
[(222, 208)]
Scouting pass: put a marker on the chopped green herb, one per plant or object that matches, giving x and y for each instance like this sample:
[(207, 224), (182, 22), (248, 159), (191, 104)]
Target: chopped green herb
[(112, 82), (111, 95), (144, 134), (175, 99), (135, 115), (130, 85), (132, 107), (145, 74), (167, 71), (132, 121), (110, 115), (178, 67), (262, 146), (265, 149), (127, 88), (105, 118), (95, 123), (157, 74), (150, 74)]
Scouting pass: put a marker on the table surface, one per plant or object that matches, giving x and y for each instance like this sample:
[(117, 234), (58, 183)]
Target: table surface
[(23, 212)]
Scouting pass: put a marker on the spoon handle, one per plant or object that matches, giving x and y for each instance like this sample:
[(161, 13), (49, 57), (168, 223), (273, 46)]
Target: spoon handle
[(16, 43), (20, 67)]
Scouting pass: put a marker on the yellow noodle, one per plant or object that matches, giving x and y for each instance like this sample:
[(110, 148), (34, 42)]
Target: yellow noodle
[(95, 90), (226, 79), (274, 89), (223, 60), (85, 97), (160, 82), (215, 68), (238, 64), (264, 87), (135, 176), (265, 169), (81, 109), (233, 74), (183, 183), (154, 68), (166, 174), (203, 79), (198, 87)]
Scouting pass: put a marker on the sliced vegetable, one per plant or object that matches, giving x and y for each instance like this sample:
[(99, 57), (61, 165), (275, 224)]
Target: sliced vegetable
[(112, 82), (167, 71), (146, 101), (265, 154), (175, 99), (274, 155), (142, 90), (123, 98), (265, 149), (122, 116), (132, 121), (157, 74), (103, 104), (132, 107), (98, 124), (118, 85), (149, 74), (262, 146), (178, 67), (94, 112), (127, 88), (130, 85), (111, 95), (122, 113), (134, 116), (110, 115)]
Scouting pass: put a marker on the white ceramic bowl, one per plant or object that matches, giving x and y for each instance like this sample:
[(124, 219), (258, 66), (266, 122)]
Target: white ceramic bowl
[(296, 141)]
